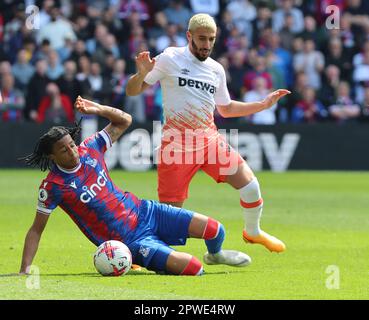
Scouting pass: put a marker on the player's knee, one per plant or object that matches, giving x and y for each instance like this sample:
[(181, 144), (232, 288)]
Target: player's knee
[(193, 268), (213, 229)]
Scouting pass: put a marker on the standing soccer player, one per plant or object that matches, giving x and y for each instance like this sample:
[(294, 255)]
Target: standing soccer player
[(193, 85), (79, 183)]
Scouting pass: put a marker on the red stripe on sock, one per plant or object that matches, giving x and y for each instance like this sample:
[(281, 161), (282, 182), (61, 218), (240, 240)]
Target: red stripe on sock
[(193, 267), (249, 205), (211, 229)]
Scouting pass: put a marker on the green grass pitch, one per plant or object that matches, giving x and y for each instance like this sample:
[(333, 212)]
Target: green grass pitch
[(323, 218)]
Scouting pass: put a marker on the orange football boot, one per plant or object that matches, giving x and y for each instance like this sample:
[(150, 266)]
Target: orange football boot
[(268, 241)]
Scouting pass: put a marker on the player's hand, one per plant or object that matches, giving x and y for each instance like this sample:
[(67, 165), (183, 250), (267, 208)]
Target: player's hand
[(86, 106), (144, 63), (274, 96)]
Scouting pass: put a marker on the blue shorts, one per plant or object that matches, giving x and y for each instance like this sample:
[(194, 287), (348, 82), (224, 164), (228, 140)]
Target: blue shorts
[(159, 226)]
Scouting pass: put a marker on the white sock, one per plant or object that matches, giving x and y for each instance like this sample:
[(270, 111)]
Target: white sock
[(253, 206)]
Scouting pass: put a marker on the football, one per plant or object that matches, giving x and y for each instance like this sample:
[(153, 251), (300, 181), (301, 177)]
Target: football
[(112, 258)]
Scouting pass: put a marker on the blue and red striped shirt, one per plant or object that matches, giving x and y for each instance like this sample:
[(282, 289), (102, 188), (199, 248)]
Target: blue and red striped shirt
[(87, 194)]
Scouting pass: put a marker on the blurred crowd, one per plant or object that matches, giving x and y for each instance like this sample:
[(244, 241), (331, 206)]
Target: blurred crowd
[(51, 51)]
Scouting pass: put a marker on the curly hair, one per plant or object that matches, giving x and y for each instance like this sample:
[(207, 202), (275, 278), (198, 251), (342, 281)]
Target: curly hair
[(40, 155)]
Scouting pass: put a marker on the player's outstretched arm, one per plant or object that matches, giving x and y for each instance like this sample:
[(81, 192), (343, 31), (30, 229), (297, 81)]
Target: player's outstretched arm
[(243, 109), (32, 240), (144, 65), (119, 120)]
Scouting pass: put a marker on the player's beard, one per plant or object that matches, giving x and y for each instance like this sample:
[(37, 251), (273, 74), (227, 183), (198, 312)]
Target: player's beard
[(197, 51)]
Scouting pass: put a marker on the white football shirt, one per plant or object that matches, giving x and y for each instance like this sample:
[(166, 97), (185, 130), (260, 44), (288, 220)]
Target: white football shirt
[(191, 89)]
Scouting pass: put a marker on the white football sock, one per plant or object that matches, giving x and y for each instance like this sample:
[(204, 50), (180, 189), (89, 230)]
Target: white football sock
[(252, 203)]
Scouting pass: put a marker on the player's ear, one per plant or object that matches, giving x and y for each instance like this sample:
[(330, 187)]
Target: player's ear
[(189, 35)]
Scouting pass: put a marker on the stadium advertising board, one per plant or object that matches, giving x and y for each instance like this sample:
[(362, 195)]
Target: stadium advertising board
[(276, 148)]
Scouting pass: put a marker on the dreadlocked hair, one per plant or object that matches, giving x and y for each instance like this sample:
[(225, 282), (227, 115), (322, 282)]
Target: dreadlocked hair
[(40, 156)]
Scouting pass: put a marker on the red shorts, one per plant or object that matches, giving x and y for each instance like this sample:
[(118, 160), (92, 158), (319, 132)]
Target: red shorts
[(176, 169)]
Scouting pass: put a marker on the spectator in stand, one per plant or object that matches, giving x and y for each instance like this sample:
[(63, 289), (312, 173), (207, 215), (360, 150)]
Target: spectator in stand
[(68, 83), (36, 90), (29, 46), (42, 52), (344, 108), (82, 28), (298, 87), (309, 109), (45, 12), (95, 43), (109, 46), (331, 80), (136, 38), (179, 14), (55, 68), (127, 7), (65, 52), (258, 93), (346, 34), (22, 70), (158, 29), (233, 41), (5, 67), (56, 30), (243, 12), (359, 57), (365, 106), (224, 29), (79, 50), (99, 87), (361, 77), (278, 78), (55, 107), (286, 7), (338, 56), (96, 7), (210, 7), (83, 69), (170, 39), (357, 11), (13, 27), (280, 58), (118, 83), (11, 107), (259, 70), (262, 21), (17, 41), (237, 69), (311, 62), (110, 18), (286, 34), (311, 31)]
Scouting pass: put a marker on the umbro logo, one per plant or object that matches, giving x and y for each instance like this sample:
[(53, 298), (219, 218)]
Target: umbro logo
[(185, 71)]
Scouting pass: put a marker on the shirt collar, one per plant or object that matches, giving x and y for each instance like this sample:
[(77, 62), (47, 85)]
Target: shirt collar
[(74, 170), (190, 55)]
